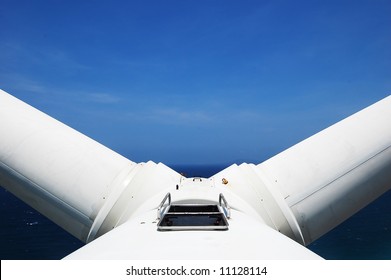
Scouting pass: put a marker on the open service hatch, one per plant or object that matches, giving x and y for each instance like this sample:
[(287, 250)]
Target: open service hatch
[(193, 216)]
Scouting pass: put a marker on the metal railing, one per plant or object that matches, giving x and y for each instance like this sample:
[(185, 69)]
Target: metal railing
[(161, 208), (226, 208)]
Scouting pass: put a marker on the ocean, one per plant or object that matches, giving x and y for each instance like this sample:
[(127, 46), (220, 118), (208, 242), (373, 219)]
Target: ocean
[(27, 235)]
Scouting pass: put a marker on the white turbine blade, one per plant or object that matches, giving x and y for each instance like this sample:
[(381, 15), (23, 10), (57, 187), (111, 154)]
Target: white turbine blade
[(310, 188), (330, 176), (63, 174)]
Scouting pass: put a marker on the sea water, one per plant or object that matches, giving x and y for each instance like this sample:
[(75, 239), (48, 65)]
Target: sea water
[(26, 234)]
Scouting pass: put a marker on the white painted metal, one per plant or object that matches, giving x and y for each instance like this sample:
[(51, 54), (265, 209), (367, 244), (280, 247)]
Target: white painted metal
[(330, 176), (58, 171), (143, 192), (93, 192), (266, 203), (312, 187), (246, 238)]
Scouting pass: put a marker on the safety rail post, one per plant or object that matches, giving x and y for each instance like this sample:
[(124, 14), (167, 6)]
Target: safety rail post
[(159, 210), (226, 208)]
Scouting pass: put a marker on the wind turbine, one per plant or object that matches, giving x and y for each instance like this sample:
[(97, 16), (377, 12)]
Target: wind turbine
[(128, 210)]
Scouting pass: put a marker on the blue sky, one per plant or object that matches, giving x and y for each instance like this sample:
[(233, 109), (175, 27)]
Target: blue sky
[(201, 82)]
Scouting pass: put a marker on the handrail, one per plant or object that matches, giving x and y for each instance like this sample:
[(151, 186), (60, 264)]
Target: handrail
[(159, 210), (226, 208)]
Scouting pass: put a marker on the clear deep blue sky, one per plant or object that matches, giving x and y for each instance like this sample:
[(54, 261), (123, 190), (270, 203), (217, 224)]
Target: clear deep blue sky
[(196, 81)]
